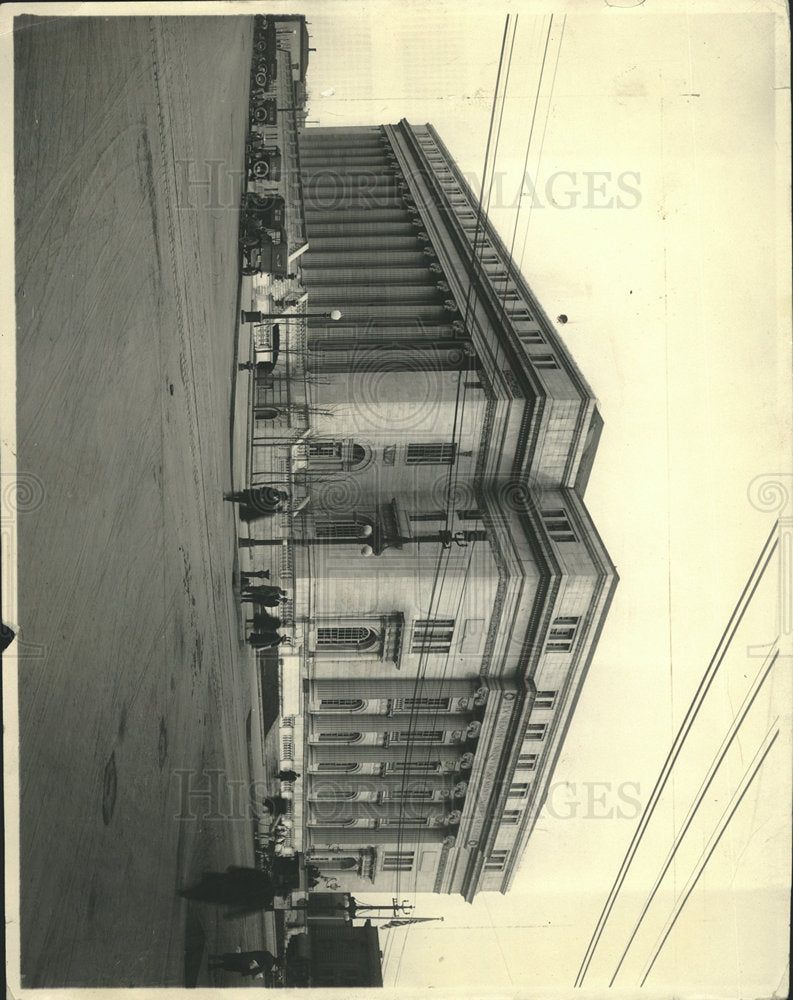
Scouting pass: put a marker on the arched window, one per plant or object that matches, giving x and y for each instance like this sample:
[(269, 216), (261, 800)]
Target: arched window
[(341, 704), (329, 792), (339, 737), (339, 455), (337, 767), (350, 638), (334, 864)]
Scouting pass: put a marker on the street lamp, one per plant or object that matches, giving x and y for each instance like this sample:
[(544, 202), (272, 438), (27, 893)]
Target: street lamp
[(257, 317)]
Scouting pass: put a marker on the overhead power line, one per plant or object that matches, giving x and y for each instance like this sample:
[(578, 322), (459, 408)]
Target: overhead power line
[(677, 744), (726, 818)]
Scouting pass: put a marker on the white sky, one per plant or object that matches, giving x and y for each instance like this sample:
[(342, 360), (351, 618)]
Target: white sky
[(679, 320)]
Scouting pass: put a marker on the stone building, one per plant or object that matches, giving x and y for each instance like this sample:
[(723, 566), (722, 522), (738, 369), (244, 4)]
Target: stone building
[(448, 584)]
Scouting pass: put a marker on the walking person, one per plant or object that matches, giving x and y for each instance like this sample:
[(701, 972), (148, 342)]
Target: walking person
[(262, 622), (266, 499), (289, 776), (266, 640), (259, 593), (246, 963)]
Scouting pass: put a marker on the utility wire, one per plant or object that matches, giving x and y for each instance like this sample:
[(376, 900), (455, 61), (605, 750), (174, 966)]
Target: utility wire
[(677, 744), (703, 789), (716, 836)]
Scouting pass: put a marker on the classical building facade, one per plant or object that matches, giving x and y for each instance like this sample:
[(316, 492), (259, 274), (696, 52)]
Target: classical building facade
[(448, 586)]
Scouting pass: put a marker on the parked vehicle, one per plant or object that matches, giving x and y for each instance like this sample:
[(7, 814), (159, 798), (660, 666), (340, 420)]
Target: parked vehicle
[(268, 256), (264, 164)]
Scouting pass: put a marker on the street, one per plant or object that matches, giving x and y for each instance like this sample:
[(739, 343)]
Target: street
[(128, 162)]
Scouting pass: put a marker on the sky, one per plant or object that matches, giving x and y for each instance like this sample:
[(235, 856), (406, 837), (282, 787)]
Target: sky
[(654, 216)]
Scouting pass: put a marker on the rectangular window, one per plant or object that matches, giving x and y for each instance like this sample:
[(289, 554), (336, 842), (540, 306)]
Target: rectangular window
[(421, 704), (519, 789), (398, 861), (431, 454), (530, 336), (417, 736), (410, 766), (536, 731), (404, 821), (432, 635), (324, 449), (561, 635), (557, 525), (511, 817), (409, 795), (546, 361), (528, 761), (496, 861), (545, 699)]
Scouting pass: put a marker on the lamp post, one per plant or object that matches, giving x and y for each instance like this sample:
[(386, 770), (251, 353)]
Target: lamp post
[(257, 317)]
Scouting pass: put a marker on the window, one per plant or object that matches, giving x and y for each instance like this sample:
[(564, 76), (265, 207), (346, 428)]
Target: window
[(545, 699), (528, 761), (421, 704), (561, 635), (355, 530), (404, 821), (536, 731), (350, 638), (530, 336), (335, 454), (511, 817), (547, 361), (339, 737), (557, 525), (496, 861), (432, 515), (407, 766), (417, 736), (519, 789), (324, 449), (342, 704), (430, 454), (432, 635), (398, 861), (339, 768), (410, 795)]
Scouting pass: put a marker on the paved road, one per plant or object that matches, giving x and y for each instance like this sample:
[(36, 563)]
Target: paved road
[(126, 293)]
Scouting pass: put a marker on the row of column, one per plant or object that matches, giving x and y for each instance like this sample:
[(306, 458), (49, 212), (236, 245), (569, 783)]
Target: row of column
[(368, 254)]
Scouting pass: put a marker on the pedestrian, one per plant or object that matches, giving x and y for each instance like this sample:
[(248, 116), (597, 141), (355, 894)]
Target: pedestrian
[(277, 804), (265, 602), (259, 592), (266, 499), (242, 890), (266, 640), (262, 622), (246, 963), (289, 776)]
